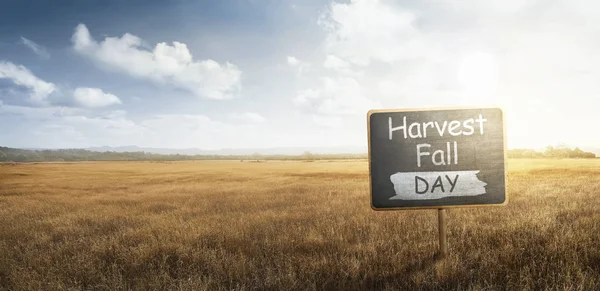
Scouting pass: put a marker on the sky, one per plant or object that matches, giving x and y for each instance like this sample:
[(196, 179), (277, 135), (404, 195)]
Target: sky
[(264, 74)]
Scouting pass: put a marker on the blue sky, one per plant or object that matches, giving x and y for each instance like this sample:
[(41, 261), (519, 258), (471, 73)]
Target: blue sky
[(258, 74)]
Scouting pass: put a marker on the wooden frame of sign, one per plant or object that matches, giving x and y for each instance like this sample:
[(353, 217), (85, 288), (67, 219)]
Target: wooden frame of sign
[(440, 158)]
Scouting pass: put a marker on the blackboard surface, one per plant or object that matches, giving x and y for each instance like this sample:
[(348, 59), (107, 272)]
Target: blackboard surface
[(436, 158)]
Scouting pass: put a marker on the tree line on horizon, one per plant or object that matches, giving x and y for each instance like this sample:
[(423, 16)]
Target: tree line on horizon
[(74, 155), (561, 152)]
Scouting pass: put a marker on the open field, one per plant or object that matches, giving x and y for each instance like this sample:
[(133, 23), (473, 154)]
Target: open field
[(287, 226)]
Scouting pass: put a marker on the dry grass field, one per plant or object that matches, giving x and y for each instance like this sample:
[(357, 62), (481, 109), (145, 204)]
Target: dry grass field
[(216, 225)]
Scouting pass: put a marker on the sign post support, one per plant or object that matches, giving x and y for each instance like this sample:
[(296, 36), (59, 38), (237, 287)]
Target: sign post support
[(443, 251)]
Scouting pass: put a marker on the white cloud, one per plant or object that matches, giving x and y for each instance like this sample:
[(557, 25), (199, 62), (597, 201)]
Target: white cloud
[(118, 124), (341, 66), (342, 96), (115, 114), (306, 98), (75, 127), (247, 117), (293, 61), (99, 130), (472, 53), (366, 30), (69, 136), (168, 122), (42, 113), (21, 76), (80, 127), (335, 63), (36, 48), (188, 130), (301, 66), (172, 64), (40, 90), (94, 97), (327, 121)]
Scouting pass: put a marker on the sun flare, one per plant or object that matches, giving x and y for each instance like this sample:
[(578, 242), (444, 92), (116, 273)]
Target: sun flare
[(478, 76)]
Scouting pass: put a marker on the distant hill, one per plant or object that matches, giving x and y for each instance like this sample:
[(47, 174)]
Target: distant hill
[(146, 154), (231, 151)]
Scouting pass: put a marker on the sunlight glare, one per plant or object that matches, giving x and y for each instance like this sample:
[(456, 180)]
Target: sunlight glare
[(478, 76)]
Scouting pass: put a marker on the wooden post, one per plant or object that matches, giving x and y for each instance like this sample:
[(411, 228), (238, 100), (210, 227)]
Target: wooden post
[(442, 232)]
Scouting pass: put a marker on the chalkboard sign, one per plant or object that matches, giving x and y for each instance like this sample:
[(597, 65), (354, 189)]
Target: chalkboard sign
[(436, 158)]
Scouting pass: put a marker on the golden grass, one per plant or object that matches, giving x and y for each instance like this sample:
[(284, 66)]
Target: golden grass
[(286, 226)]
